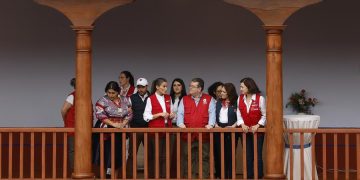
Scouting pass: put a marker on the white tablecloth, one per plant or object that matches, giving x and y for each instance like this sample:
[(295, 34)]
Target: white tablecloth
[(295, 122)]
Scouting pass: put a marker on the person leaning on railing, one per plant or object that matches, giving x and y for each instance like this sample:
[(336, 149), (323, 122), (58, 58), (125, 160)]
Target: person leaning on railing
[(112, 111), (226, 108), (158, 113), (251, 115), (196, 110)]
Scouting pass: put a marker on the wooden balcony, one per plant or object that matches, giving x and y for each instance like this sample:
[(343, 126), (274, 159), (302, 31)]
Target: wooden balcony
[(29, 153)]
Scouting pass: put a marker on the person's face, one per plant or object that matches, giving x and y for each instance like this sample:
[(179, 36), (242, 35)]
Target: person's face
[(243, 89), (218, 92), (142, 90), (112, 94), (123, 80), (194, 89), (162, 88), (223, 93), (177, 87)]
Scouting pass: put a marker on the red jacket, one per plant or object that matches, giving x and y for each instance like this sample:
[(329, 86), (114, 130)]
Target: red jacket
[(196, 116), (156, 108), (253, 117), (70, 115)]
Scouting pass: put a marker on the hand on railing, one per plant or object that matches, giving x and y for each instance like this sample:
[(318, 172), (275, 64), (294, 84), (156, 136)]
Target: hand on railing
[(255, 128), (245, 128), (182, 126), (209, 126)]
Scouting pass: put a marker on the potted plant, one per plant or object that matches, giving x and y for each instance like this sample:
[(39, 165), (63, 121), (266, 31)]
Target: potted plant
[(300, 103)]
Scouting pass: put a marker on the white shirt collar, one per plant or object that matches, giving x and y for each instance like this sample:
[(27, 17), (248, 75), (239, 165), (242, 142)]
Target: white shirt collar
[(197, 97), (158, 95), (253, 97)]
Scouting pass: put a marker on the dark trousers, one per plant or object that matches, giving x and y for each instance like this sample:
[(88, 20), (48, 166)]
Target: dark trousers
[(250, 154), (228, 158), (129, 164), (162, 156)]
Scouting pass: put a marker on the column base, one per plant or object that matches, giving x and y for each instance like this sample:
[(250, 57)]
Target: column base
[(275, 176), (83, 176)]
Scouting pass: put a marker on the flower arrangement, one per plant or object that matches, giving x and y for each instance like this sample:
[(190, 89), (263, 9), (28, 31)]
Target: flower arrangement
[(300, 103)]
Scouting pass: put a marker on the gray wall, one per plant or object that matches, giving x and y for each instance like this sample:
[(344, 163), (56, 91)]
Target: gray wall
[(177, 38)]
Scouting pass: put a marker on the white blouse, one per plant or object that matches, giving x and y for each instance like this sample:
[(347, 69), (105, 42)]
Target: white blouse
[(223, 116)]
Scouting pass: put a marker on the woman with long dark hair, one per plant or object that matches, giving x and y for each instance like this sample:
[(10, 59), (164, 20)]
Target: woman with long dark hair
[(226, 117), (251, 114), (112, 111), (177, 92)]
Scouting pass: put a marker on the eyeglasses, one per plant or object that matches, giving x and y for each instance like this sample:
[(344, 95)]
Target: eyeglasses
[(193, 87)]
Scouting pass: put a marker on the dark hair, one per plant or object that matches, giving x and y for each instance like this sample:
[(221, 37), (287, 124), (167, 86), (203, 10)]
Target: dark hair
[(112, 85), (157, 82), (231, 92), (73, 82), (213, 87), (200, 81), (251, 85), (183, 91), (130, 76)]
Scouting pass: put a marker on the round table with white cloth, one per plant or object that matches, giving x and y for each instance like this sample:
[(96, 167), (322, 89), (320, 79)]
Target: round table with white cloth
[(299, 122)]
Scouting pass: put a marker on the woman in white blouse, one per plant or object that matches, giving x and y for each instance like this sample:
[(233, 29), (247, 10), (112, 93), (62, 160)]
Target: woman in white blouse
[(251, 115), (159, 115), (226, 117)]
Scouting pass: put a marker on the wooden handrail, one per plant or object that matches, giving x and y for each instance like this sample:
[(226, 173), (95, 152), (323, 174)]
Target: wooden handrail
[(175, 130), (43, 135)]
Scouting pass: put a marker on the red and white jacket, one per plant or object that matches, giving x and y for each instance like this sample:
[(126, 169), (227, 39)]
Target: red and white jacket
[(155, 109), (253, 113)]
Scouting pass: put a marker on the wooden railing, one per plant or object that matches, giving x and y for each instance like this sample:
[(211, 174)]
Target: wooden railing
[(329, 142), (42, 152), (24, 153)]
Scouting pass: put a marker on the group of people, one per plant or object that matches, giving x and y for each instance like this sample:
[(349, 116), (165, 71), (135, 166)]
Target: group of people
[(126, 105)]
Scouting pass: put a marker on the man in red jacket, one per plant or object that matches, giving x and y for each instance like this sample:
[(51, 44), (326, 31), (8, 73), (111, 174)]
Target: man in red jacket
[(196, 110)]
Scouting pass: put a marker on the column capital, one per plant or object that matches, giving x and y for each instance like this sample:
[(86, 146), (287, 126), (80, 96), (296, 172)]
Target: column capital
[(83, 12), (274, 12)]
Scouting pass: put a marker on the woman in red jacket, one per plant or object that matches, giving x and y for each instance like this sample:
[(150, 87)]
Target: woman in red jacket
[(158, 113), (251, 114)]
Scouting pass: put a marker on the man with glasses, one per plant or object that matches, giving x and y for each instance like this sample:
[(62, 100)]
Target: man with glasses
[(196, 110)]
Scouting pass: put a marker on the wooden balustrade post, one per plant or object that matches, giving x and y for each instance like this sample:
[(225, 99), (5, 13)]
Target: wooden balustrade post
[(83, 107), (274, 103), (273, 14), (83, 14)]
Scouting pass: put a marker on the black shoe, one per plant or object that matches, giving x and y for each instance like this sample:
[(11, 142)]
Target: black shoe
[(108, 176)]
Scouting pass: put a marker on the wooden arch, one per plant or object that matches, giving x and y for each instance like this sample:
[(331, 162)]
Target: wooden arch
[(273, 13)]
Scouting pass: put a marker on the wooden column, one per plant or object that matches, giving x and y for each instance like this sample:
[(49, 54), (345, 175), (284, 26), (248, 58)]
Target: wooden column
[(274, 104), (83, 106), (273, 14), (82, 14)]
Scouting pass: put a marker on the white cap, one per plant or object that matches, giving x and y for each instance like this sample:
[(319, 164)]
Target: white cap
[(141, 82)]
